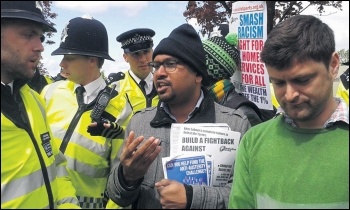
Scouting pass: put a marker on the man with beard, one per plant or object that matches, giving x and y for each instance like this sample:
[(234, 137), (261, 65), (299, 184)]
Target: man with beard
[(180, 78), (33, 170)]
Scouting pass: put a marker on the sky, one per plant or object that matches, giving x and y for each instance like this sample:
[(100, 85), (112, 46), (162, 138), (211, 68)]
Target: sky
[(161, 16)]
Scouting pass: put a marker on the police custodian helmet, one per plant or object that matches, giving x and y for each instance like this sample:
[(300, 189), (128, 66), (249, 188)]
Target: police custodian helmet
[(84, 36), (29, 10)]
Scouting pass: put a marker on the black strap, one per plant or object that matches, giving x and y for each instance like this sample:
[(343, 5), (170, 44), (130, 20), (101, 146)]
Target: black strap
[(82, 108), (19, 117)]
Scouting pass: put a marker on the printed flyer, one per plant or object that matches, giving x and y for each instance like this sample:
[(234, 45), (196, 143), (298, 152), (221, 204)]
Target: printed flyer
[(217, 142), (191, 170)]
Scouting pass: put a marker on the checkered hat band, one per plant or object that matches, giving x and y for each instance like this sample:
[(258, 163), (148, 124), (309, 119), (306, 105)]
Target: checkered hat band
[(136, 39)]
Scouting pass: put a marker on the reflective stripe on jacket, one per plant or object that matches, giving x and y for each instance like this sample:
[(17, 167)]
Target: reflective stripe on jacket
[(22, 175), (88, 156), (132, 98)]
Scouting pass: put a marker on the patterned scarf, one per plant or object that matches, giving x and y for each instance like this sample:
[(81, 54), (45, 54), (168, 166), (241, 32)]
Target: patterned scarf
[(219, 89)]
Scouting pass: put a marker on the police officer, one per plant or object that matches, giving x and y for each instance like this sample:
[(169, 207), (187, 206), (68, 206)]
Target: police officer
[(137, 45), (87, 146), (60, 76), (33, 173), (136, 89)]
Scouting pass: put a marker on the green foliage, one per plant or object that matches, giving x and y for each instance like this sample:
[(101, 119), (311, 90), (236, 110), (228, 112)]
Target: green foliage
[(49, 16), (343, 55)]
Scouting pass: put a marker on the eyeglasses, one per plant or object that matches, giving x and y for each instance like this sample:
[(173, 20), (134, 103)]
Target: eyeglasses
[(169, 65)]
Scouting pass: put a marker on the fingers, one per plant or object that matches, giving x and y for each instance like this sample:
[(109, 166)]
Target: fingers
[(137, 155), (131, 144), (162, 183), (149, 150), (107, 125), (138, 149), (93, 124), (140, 155), (130, 138)]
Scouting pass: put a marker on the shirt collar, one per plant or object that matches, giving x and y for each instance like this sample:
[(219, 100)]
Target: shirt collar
[(166, 108), (9, 84), (90, 88), (341, 113), (148, 79)]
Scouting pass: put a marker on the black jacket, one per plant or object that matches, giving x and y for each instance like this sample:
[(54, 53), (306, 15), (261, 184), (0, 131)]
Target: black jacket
[(234, 100)]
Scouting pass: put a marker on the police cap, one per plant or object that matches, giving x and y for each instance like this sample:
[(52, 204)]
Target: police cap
[(136, 40), (29, 10)]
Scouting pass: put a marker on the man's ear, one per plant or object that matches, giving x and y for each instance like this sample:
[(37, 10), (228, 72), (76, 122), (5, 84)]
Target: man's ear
[(93, 59), (199, 78), (125, 58), (334, 65)]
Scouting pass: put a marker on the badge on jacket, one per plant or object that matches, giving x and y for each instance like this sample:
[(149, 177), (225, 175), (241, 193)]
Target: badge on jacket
[(45, 138)]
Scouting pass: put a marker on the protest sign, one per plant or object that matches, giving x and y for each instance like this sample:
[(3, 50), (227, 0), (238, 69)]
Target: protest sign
[(249, 21)]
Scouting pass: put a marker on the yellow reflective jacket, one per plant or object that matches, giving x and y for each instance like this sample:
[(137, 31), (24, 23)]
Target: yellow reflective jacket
[(273, 97), (33, 172), (88, 156), (343, 93), (131, 99)]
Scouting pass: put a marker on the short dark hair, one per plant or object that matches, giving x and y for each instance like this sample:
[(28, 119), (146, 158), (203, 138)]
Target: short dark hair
[(100, 62), (298, 39)]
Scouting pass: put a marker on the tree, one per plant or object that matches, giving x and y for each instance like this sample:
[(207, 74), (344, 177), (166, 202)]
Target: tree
[(48, 15), (343, 55), (212, 13)]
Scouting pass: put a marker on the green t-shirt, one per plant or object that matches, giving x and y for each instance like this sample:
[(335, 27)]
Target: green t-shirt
[(279, 166)]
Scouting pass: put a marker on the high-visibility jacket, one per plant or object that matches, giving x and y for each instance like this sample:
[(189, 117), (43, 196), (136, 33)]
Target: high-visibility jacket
[(343, 93), (88, 156), (33, 172), (273, 97), (130, 100)]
